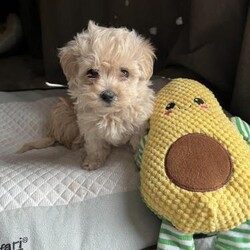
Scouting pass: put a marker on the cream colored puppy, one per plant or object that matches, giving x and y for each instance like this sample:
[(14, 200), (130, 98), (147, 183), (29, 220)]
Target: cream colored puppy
[(108, 72)]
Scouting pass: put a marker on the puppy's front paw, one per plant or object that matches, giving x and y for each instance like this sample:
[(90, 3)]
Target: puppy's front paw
[(91, 165), (96, 155)]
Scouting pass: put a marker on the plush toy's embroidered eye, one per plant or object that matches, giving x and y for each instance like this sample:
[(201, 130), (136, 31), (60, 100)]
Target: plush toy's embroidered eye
[(171, 105), (168, 110), (199, 101), (92, 73)]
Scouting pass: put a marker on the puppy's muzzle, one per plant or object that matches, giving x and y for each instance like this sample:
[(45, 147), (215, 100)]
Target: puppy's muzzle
[(108, 96)]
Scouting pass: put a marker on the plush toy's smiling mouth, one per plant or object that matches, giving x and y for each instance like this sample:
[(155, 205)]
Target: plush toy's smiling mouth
[(184, 108)]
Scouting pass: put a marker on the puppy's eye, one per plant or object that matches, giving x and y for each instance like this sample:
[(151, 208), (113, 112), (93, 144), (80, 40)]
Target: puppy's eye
[(124, 73), (199, 101), (92, 73), (171, 105)]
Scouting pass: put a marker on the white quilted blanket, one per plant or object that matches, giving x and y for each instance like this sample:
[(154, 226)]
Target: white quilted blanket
[(52, 176)]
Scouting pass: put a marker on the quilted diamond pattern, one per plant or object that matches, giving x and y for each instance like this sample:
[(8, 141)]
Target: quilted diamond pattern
[(52, 176)]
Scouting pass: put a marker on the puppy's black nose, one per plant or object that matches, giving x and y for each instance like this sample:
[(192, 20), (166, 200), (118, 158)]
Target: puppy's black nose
[(107, 96)]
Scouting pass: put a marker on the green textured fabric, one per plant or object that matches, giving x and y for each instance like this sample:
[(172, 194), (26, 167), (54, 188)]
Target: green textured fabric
[(242, 127), (140, 151)]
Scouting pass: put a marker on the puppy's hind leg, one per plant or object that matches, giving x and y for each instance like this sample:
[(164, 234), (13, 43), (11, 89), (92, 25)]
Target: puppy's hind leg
[(41, 143)]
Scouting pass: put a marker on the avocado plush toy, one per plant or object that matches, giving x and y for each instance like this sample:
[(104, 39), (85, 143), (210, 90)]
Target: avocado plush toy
[(195, 169)]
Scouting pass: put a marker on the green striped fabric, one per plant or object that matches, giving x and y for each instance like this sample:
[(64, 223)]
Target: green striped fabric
[(140, 151), (172, 239), (235, 239), (242, 127)]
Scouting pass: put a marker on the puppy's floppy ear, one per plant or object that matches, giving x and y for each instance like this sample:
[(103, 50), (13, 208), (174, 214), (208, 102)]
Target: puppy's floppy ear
[(68, 58), (146, 60)]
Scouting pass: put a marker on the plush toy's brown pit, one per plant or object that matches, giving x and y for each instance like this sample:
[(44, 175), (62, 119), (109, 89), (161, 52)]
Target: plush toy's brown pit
[(197, 162)]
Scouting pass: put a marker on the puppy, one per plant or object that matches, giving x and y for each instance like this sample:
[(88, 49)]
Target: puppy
[(108, 72)]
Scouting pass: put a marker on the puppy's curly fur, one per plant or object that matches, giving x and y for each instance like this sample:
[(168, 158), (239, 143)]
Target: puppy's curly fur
[(108, 72)]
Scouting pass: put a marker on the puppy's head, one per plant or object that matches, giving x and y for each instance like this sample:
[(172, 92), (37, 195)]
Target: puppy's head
[(107, 67)]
